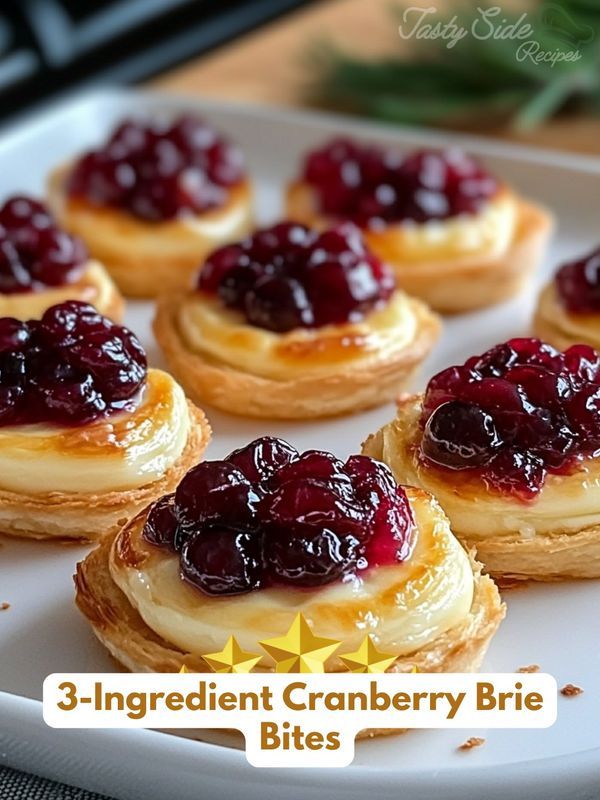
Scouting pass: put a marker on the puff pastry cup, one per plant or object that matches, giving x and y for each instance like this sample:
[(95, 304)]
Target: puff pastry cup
[(434, 607), (70, 470), (255, 365), (568, 308), (153, 236), (530, 508), (479, 254), (44, 266)]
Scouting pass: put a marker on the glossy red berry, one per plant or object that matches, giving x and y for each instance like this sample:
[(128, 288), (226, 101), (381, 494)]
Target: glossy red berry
[(262, 458), (221, 561), (161, 523), (216, 492)]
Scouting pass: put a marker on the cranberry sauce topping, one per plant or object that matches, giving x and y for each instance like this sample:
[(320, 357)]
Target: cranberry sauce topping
[(288, 277), (269, 516), (34, 253), (578, 284), (512, 415), (159, 171), (68, 368), (370, 183)]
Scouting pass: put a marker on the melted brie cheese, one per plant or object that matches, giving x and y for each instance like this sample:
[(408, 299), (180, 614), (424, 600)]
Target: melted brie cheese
[(210, 329), (92, 286), (403, 606), (487, 233), (116, 453), (566, 503)]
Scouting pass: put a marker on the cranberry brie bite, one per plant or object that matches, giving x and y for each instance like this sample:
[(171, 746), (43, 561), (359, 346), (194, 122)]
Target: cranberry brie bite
[(456, 236), (293, 323), (246, 543), (568, 310), (88, 435), (41, 265), (508, 443), (155, 199)]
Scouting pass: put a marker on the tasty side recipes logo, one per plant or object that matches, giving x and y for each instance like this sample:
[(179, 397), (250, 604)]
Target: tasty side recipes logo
[(491, 23), (299, 715)]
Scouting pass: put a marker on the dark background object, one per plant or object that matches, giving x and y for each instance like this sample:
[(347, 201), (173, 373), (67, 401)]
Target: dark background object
[(49, 46)]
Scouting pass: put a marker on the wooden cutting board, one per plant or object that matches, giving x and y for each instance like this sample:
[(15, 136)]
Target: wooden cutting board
[(269, 65)]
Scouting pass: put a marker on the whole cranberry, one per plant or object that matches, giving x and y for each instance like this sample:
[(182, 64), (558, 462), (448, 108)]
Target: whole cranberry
[(459, 435), (521, 473), (220, 561), (66, 322), (314, 502), (219, 264), (60, 397), (262, 458), (309, 556), (278, 304), (114, 359), (216, 492), (160, 527), (313, 464)]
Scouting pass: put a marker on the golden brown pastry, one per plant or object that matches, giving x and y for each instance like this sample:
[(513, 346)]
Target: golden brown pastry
[(328, 334), (508, 445), (155, 599), (88, 435), (568, 310), (41, 265), (456, 237), (154, 201)]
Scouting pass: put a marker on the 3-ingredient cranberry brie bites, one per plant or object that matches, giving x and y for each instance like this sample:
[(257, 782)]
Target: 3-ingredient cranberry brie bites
[(154, 200), (41, 265), (294, 323), (88, 434), (508, 443)]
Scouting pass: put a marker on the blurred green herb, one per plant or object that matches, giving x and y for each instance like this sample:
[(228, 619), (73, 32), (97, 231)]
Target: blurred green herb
[(478, 81)]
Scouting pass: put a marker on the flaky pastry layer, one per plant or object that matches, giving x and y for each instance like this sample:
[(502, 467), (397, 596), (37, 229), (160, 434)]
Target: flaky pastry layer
[(561, 328), (148, 258), (407, 604), (345, 389), (90, 516)]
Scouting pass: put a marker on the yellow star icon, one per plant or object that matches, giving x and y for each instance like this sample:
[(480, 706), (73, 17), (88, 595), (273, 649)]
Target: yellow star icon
[(300, 650), (232, 659), (368, 658), (184, 670)]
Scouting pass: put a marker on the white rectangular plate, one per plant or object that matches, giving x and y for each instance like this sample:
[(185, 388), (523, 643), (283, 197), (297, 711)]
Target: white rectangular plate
[(556, 626)]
